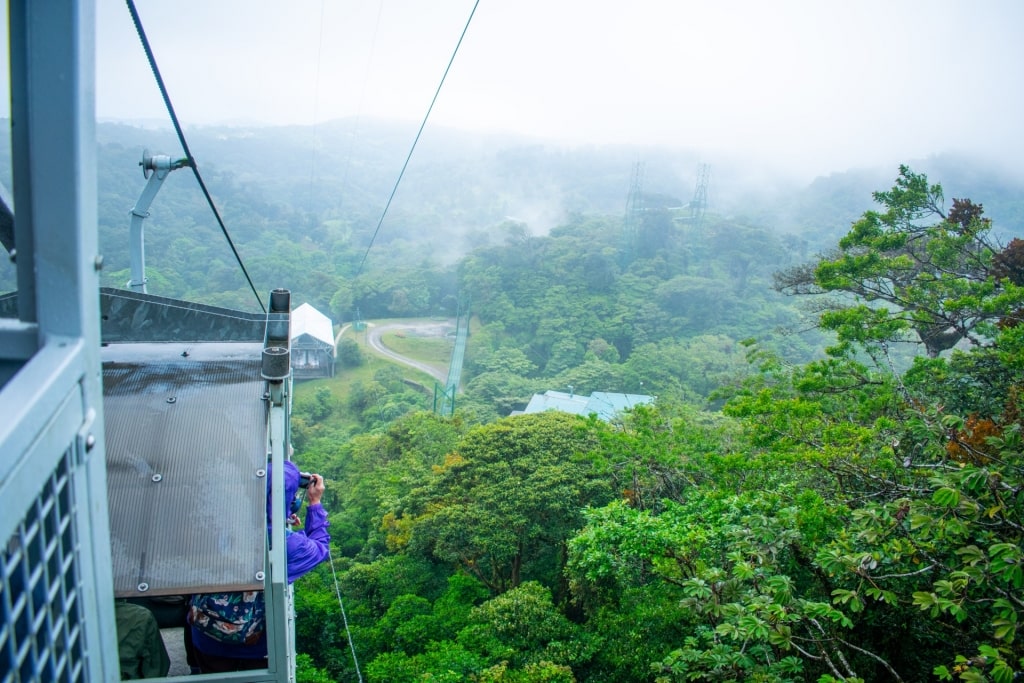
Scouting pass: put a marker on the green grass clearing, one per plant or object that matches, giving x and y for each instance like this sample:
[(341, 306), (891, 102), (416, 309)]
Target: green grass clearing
[(432, 350)]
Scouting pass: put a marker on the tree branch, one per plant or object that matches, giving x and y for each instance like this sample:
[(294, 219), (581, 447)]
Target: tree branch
[(873, 656)]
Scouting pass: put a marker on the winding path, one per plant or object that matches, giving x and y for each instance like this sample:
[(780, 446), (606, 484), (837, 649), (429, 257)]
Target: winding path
[(373, 335)]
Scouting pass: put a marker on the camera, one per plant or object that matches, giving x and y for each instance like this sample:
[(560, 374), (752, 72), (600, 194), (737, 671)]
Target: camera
[(305, 478)]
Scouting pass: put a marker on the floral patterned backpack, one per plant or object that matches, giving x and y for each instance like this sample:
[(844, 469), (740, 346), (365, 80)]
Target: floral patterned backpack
[(238, 618)]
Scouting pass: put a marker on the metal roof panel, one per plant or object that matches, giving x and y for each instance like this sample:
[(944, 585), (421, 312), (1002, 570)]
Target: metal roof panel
[(186, 456), (605, 404)]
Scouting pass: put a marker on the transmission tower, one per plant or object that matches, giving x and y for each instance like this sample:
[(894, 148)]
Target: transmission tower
[(699, 203), (358, 324), (444, 397), (634, 207)]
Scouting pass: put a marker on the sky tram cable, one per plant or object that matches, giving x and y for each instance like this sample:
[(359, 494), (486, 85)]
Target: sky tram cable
[(344, 619), (184, 145), (316, 104), (362, 98), (417, 138)]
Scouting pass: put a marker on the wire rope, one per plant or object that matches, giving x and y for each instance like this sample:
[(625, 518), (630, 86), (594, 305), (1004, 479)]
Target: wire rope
[(344, 618), (184, 145), (417, 138), (316, 104), (362, 98)]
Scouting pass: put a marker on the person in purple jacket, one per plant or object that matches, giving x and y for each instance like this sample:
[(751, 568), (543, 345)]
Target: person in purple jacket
[(229, 629)]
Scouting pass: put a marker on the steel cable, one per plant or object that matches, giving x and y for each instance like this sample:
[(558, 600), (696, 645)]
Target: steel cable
[(417, 139), (184, 145)]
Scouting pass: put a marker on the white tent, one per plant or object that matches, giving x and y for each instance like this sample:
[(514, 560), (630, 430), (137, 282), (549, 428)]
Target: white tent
[(312, 344)]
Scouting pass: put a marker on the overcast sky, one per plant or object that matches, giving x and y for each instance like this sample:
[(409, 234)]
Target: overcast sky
[(813, 85)]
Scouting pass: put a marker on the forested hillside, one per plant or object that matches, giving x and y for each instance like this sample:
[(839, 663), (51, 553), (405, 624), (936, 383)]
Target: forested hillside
[(855, 517), (303, 203), (829, 487), (568, 289)]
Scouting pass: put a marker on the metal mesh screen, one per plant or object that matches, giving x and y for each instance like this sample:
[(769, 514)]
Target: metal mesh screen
[(41, 636)]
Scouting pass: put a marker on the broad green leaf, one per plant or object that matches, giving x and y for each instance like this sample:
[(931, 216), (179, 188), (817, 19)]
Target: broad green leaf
[(946, 497)]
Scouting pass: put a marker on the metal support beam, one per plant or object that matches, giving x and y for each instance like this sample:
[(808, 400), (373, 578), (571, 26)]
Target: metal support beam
[(277, 372), (59, 423), (156, 168), (6, 219)]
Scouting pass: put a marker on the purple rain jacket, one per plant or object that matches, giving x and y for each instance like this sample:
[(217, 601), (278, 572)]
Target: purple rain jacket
[(306, 548)]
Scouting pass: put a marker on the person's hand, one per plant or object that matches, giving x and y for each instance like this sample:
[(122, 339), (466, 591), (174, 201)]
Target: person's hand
[(315, 490), (294, 520)]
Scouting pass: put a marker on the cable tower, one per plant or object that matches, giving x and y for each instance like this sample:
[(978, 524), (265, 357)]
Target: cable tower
[(189, 159), (358, 324), (444, 398), (699, 203), (634, 207)]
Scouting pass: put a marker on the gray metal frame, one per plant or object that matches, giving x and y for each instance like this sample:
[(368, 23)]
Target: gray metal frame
[(277, 372), (56, 592), (51, 437)]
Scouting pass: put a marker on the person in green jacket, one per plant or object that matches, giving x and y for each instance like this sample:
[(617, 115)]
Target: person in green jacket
[(139, 645)]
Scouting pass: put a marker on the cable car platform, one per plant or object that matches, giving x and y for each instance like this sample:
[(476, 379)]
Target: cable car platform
[(186, 446)]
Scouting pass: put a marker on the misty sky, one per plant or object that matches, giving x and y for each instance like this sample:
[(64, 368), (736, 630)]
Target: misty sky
[(813, 86)]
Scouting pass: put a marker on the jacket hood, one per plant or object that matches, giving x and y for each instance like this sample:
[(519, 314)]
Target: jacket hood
[(291, 487)]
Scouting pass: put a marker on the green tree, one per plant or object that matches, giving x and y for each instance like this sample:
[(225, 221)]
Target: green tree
[(307, 672), (506, 359), (940, 527), (443, 661), (912, 268), (922, 465), (501, 390), (350, 354), (522, 627), (593, 375), (744, 250), (732, 565), (320, 637), (504, 502), (377, 471)]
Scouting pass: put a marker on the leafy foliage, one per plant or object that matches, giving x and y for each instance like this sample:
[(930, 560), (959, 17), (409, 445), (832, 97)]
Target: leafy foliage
[(502, 505), (938, 278), (851, 516)]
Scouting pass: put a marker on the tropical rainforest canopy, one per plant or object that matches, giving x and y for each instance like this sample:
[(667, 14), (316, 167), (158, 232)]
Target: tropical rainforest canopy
[(780, 514), (829, 487)]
